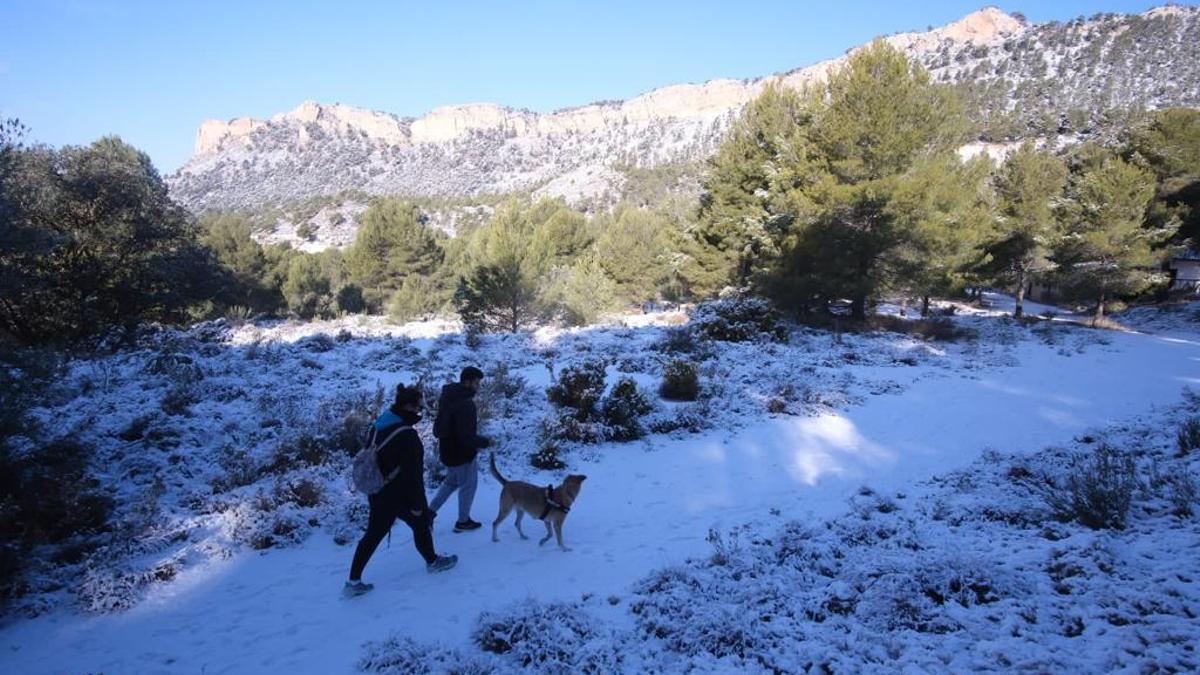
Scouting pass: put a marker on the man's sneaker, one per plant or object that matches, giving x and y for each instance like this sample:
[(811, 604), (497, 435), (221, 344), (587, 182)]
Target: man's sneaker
[(353, 589), (467, 525), (442, 563)]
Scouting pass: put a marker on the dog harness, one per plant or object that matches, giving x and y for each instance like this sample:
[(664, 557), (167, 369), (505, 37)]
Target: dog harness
[(552, 503)]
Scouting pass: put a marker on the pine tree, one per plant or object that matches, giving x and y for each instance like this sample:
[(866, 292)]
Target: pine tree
[(497, 297), (393, 243), (632, 250), (1028, 187), (857, 141), (90, 239), (1108, 250), (582, 292), (946, 206), (306, 287), (1169, 145), (738, 214)]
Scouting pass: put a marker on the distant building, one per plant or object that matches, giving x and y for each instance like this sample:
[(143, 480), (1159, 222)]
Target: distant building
[(1185, 272)]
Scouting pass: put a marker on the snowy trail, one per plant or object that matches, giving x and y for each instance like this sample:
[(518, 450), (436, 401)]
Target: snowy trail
[(643, 506)]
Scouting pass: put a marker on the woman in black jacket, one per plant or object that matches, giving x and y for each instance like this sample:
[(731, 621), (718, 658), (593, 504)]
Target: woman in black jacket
[(404, 496)]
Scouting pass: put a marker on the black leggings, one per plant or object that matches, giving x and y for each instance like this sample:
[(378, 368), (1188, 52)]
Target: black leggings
[(379, 524)]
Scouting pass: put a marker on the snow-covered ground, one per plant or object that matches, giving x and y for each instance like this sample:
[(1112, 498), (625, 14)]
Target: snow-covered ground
[(882, 411)]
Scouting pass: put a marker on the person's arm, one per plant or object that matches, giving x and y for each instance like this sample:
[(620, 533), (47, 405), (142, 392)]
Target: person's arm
[(467, 419)]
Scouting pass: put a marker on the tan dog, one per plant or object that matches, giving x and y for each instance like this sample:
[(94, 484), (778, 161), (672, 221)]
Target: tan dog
[(550, 508)]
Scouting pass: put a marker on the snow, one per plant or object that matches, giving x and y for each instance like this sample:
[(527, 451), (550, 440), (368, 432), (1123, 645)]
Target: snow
[(880, 410)]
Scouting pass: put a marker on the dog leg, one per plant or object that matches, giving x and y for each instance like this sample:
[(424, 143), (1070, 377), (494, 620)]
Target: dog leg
[(506, 506), (558, 524), (549, 533), (517, 522)]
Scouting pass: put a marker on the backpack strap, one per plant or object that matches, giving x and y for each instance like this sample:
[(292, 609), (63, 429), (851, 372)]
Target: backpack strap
[(375, 434)]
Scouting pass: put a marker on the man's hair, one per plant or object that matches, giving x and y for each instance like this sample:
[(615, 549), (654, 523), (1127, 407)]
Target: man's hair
[(470, 373), (407, 395)]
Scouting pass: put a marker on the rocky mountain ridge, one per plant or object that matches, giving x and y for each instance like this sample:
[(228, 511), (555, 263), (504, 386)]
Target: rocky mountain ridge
[(1020, 80)]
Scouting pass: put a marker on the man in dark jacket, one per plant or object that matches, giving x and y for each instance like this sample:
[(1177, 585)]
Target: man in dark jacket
[(404, 496), (459, 443)]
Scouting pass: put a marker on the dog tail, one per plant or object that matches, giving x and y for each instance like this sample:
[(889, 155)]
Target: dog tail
[(495, 471)]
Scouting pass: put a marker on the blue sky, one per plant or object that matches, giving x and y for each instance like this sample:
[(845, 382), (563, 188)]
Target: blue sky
[(150, 72)]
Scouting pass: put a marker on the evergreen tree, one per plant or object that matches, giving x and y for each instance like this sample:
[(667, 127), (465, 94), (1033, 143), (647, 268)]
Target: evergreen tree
[(228, 236), (632, 249), (417, 298), (1028, 187), (306, 287), (875, 125), (393, 243), (1169, 145), (91, 239), (1108, 252), (582, 292), (739, 216), (497, 297), (946, 207)]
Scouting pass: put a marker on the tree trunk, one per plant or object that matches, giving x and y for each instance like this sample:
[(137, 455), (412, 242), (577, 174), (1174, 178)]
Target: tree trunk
[(858, 307), (1099, 311), (924, 305), (1020, 309)]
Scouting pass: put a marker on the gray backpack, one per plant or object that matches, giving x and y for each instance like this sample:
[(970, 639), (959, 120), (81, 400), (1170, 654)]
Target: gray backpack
[(364, 473)]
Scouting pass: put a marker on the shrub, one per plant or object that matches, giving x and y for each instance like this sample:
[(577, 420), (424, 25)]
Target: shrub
[(501, 382), (350, 300), (623, 409), (179, 400), (1097, 489), (678, 340), (303, 492), (1183, 492), (579, 388), (318, 343), (300, 451), (346, 419), (566, 427), (176, 367), (681, 381), (401, 654), (738, 320), (1188, 437), (240, 469), (547, 458), (46, 497), (548, 638)]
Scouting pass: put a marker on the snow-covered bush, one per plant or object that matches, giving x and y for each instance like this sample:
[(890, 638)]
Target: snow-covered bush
[(1096, 490), (579, 388), (567, 427), (679, 340), (548, 638), (692, 418), (547, 458), (179, 399), (623, 409), (681, 381), (743, 319), (238, 467), (1188, 436), (47, 497), (404, 656), (304, 492)]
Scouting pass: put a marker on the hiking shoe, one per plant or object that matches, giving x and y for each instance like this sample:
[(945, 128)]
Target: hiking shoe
[(353, 589), (442, 563), (467, 525)]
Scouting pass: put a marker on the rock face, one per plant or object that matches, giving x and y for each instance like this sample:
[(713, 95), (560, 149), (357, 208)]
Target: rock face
[(1019, 80)]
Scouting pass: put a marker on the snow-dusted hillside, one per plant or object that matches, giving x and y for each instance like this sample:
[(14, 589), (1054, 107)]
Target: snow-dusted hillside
[(1019, 79), (854, 500)]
